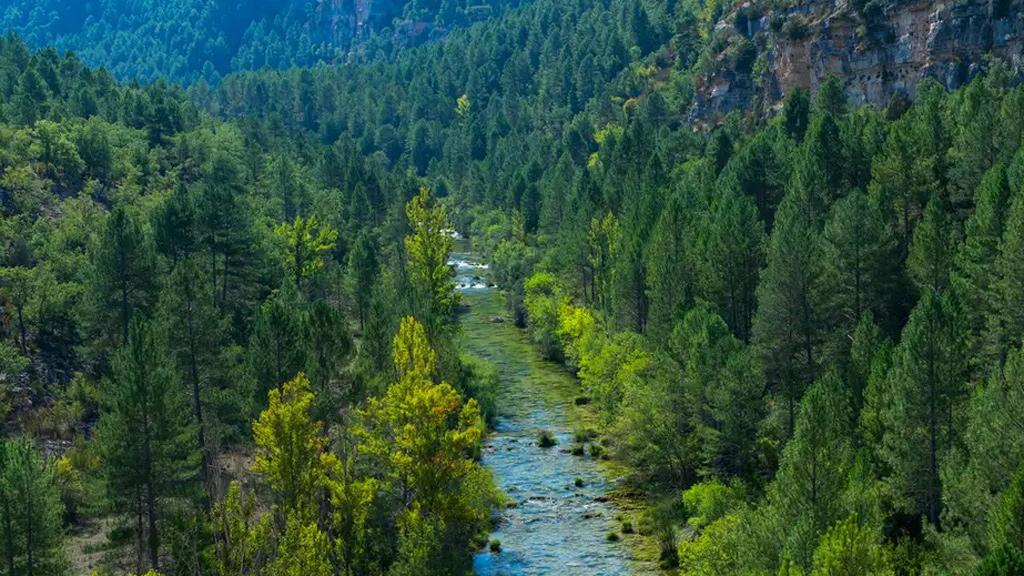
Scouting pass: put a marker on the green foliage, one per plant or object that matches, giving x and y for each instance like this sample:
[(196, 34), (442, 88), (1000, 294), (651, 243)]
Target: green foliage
[(31, 523), (143, 435), (306, 242), (923, 420), (427, 248), (289, 456), (544, 301), (850, 549), (713, 551), (710, 501)]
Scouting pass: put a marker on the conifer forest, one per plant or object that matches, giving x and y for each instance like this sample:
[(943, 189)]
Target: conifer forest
[(512, 288)]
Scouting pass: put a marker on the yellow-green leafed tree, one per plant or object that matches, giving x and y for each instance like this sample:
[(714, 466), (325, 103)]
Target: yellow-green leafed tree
[(291, 451), (302, 551), (427, 248), (243, 535), (422, 430), (851, 549), (307, 241)]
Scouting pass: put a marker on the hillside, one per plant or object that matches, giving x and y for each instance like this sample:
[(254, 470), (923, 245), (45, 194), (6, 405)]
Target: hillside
[(142, 40)]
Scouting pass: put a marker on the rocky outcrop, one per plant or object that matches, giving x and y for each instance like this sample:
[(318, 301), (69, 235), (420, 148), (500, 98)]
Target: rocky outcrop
[(879, 53)]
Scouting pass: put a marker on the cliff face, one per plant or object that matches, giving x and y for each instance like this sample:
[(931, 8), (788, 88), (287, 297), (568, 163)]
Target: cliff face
[(879, 53)]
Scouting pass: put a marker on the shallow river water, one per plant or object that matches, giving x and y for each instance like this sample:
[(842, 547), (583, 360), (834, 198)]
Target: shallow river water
[(553, 526)]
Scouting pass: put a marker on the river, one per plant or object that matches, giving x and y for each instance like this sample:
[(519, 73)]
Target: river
[(560, 516)]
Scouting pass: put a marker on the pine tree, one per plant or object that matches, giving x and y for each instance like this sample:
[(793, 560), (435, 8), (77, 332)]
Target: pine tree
[(991, 452), (328, 345), (858, 257), (932, 250), (194, 338), (668, 272), (731, 254), (123, 281), (225, 228), (787, 327), (31, 513), (975, 274), (362, 273), (1006, 322), (276, 353), (808, 490), (144, 436), (1007, 525), (922, 420), (851, 549)]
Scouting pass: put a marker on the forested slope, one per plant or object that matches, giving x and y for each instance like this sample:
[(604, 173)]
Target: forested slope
[(194, 375), (143, 40)]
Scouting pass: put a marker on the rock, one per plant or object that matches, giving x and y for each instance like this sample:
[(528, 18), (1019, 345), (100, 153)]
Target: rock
[(497, 320), (877, 60)]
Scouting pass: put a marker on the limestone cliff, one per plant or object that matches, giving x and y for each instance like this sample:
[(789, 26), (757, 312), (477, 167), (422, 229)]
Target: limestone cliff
[(880, 50)]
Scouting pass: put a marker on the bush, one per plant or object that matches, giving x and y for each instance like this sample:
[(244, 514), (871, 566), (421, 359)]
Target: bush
[(713, 551), (795, 28), (708, 501), (544, 298), (495, 546), (612, 536), (627, 527), (546, 439)]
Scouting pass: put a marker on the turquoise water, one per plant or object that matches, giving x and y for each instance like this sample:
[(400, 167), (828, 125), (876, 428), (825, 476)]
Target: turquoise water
[(553, 526)]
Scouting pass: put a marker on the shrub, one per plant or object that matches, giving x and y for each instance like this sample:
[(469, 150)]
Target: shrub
[(713, 550), (544, 298), (612, 536), (708, 501), (795, 28), (495, 546), (546, 439)]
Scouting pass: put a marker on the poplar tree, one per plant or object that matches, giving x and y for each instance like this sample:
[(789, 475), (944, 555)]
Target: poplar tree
[(427, 248)]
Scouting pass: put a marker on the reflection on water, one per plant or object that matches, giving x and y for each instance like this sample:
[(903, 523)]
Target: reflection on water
[(552, 526)]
